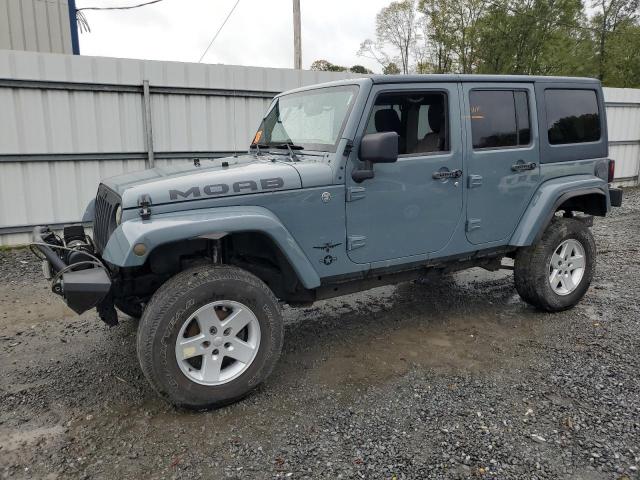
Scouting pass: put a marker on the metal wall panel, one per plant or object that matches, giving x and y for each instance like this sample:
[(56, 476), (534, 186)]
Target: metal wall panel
[(35, 25), (623, 122)]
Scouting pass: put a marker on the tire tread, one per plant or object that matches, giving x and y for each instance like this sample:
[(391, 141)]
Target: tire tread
[(166, 296), (531, 262)]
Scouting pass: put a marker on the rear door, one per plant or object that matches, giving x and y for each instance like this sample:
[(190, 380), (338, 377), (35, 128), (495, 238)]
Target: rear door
[(502, 157)]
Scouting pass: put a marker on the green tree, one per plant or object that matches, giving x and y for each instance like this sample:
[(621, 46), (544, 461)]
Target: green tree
[(622, 65), (452, 27), (395, 30), (531, 37), (610, 16), (359, 69), (436, 54), (326, 66), (391, 69)]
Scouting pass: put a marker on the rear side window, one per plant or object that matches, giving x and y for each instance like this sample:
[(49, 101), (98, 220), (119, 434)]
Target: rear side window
[(572, 116), (499, 118)]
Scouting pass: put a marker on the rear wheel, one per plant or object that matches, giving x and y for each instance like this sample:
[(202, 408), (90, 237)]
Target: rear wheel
[(555, 273), (209, 336)]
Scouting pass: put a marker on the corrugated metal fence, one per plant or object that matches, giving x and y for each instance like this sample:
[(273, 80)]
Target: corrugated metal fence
[(68, 121), (623, 118), (36, 25)]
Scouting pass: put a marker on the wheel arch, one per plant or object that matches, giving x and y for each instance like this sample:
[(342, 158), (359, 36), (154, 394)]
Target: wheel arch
[(582, 193), (215, 223)]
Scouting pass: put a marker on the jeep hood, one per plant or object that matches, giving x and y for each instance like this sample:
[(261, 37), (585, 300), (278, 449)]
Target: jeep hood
[(213, 178)]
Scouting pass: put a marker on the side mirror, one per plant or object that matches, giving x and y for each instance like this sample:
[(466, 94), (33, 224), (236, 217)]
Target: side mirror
[(376, 148), (379, 147)]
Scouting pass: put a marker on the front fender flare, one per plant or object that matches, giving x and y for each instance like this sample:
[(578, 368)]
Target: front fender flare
[(549, 196), (175, 226)]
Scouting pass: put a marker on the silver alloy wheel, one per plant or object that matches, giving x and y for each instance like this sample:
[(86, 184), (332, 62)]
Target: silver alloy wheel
[(218, 342), (566, 267)]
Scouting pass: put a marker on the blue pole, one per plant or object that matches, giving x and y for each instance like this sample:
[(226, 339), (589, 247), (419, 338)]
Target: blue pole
[(73, 26)]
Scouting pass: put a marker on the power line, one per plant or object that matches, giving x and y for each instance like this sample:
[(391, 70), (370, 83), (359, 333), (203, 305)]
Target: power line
[(120, 8), (218, 32)]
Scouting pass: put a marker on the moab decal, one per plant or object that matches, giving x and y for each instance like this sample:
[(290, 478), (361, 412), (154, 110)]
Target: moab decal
[(219, 189)]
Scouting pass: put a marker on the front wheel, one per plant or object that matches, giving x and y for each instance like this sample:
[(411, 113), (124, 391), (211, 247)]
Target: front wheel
[(209, 336), (555, 273)]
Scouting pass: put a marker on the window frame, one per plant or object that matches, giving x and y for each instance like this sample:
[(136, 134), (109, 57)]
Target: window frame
[(412, 91), (505, 147), (546, 117)]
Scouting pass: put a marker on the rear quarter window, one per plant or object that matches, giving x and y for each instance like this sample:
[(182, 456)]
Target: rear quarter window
[(572, 116)]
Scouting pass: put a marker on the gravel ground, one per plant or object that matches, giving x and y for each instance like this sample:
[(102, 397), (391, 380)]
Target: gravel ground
[(458, 379)]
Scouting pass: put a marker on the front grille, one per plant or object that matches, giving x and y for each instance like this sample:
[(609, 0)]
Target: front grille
[(104, 222)]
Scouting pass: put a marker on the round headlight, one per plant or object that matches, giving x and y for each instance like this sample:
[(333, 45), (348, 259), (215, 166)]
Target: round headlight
[(118, 215)]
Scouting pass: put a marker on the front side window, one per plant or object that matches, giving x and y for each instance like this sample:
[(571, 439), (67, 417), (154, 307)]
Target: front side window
[(499, 118), (312, 119), (419, 118), (572, 116)]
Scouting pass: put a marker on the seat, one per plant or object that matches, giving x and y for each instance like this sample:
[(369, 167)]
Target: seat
[(434, 141)]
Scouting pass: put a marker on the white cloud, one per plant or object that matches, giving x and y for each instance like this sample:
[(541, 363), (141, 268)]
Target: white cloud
[(259, 33)]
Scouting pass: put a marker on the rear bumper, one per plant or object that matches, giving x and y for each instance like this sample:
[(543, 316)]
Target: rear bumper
[(81, 289), (615, 196)]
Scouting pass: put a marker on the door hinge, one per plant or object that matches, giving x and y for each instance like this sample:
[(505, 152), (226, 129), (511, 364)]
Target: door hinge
[(348, 148), (474, 181), (356, 241), (355, 193), (144, 202), (473, 224)]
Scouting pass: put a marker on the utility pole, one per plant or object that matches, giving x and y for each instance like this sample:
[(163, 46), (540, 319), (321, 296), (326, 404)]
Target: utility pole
[(297, 40)]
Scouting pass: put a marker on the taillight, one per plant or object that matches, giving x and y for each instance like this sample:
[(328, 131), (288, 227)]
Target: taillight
[(612, 170)]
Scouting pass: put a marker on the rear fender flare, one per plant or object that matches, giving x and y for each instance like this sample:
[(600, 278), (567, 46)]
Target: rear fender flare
[(172, 227), (549, 196)]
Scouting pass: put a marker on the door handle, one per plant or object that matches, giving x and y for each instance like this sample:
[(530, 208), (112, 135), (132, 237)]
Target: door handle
[(521, 167), (440, 174)]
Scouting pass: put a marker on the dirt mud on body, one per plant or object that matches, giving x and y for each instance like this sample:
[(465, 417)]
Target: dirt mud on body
[(452, 379)]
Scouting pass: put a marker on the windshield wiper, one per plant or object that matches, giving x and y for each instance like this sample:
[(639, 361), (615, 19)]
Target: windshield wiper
[(291, 147), (258, 146)]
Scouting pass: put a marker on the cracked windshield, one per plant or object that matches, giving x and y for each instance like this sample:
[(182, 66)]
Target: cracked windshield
[(312, 119)]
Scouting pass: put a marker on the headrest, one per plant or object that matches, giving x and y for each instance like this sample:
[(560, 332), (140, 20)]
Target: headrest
[(387, 120), (436, 117)]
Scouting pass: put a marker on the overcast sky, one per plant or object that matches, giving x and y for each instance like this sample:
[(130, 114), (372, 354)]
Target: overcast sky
[(260, 32)]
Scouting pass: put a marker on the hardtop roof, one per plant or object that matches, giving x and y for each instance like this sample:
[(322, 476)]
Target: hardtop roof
[(434, 78), (380, 79)]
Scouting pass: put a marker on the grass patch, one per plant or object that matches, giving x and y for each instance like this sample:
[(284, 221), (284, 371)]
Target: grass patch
[(8, 248)]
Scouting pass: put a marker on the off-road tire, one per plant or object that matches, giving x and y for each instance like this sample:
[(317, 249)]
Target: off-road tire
[(172, 305), (531, 273), (130, 308)]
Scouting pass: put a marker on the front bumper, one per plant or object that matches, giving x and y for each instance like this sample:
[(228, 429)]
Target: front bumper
[(81, 289)]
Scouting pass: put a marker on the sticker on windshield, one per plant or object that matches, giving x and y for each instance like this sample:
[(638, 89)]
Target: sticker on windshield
[(258, 136)]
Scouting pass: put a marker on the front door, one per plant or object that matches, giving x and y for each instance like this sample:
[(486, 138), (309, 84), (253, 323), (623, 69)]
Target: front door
[(409, 208), (502, 157)]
